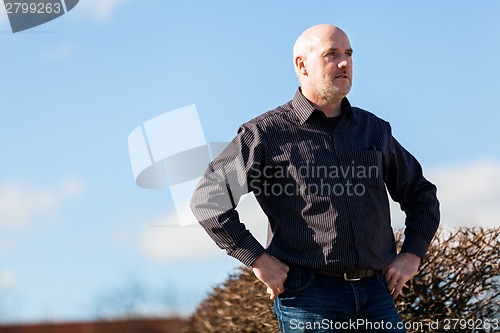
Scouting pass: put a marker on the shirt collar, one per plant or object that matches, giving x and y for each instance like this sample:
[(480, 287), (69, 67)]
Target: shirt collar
[(303, 108)]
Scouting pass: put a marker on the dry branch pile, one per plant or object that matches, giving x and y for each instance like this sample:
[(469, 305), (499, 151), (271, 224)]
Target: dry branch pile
[(459, 279), (239, 305)]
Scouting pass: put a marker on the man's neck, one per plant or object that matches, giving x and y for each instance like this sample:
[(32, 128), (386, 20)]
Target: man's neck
[(330, 108)]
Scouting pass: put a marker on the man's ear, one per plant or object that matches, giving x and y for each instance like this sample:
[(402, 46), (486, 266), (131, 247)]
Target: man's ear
[(300, 66)]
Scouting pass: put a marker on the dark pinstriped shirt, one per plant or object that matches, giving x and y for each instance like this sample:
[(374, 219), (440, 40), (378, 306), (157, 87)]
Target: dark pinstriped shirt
[(322, 188)]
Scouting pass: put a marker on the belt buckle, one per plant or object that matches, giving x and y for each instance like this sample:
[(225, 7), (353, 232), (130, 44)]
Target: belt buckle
[(350, 280)]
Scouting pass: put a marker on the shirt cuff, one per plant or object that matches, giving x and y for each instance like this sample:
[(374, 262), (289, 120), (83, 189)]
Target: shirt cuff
[(415, 244), (248, 251)]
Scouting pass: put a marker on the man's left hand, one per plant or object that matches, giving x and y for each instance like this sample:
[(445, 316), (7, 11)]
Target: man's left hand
[(400, 271)]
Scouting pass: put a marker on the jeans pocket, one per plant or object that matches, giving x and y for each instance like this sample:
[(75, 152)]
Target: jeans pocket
[(297, 280), (381, 280)]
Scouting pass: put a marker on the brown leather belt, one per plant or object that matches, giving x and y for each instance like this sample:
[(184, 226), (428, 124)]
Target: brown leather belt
[(349, 276)]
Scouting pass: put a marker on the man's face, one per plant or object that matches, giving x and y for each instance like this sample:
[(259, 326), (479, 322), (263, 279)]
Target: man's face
[(329, 66)]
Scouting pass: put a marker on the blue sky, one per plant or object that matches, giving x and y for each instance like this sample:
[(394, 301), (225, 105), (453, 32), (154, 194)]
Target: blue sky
[(75, 230)]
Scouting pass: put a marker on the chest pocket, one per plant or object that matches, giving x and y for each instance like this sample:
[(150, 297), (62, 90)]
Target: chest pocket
[(366, 168)]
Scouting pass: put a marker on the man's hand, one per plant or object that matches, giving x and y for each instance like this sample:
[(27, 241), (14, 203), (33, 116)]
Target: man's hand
[(400, 271), (272, 272)]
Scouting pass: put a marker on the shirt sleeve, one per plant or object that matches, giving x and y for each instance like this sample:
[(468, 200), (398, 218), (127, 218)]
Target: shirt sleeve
[(220, 189), (416, 196)]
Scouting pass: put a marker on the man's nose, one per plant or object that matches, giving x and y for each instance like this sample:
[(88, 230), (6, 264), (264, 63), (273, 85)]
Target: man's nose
[(343, 64)]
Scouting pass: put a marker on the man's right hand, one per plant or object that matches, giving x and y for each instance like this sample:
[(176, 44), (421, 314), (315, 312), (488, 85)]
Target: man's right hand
[(272, 272)]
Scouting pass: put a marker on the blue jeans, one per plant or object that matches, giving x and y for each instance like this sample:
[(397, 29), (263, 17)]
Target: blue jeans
[(314, 302)]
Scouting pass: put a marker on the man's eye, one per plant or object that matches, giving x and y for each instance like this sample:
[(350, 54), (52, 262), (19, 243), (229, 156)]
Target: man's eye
[(349, 54)]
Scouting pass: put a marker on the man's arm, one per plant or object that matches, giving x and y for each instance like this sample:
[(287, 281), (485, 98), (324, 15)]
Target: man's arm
[(220, 189), (417, 198), (214, 201)]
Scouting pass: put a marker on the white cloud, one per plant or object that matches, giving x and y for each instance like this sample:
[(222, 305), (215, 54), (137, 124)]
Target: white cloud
[(23, 204), (7, 280), (161, 242), (59, 52), (166, 243), (101, 10), (469, 193)]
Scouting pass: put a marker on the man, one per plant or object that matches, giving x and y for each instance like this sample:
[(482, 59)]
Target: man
[(319, 169)]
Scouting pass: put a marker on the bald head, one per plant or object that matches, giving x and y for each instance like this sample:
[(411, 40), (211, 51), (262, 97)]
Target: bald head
[(323, 64), (312, 37)]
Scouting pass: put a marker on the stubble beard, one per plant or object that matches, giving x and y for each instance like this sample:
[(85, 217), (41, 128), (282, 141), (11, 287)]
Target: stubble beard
[(331, 93)]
